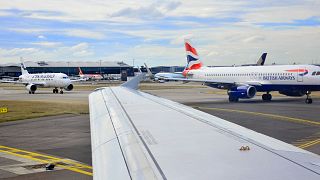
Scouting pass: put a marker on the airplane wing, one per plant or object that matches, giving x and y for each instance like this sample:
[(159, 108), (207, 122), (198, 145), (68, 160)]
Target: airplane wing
[(135, 135), (78, 80), (25, 83), (216, 81)]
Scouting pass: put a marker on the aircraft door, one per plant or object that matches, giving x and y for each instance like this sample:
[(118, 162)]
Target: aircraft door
[(300, 74)]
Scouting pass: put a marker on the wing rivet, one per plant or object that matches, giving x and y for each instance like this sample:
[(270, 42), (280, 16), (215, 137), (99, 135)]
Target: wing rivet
[(244, 148)]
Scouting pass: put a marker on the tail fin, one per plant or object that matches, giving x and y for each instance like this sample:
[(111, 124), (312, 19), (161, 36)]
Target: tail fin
[(193, 61), (80, 72), (23, 67), (148, 70), (262, 59)]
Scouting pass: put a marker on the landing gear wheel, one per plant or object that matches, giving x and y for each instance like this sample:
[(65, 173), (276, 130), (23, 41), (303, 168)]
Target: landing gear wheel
[(55, 91), (32, 92), (266, 97), (308, 100), (61, 92), (29, 92), (233, 99)]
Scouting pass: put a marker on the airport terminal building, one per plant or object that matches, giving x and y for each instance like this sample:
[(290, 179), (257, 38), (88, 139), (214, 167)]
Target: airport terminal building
[(69, 68)]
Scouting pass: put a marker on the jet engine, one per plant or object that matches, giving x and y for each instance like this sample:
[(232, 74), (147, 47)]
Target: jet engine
[(293, 93), (31, 87), (69, 87), (243, 92)]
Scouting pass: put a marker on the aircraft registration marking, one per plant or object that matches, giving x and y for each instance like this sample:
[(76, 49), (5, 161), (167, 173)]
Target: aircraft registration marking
[(63, 163)]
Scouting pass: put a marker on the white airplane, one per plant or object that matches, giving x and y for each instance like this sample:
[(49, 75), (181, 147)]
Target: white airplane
[(161, 76), (135, 135), (89, 76), (245, 81), (33, 81)]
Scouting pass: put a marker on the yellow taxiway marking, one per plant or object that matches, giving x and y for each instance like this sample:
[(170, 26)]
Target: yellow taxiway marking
[(63, 163), (309, 144), (284, 118)]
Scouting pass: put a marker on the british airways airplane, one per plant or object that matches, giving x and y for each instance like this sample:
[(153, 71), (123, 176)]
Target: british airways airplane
[(244, 81), (33, 81)]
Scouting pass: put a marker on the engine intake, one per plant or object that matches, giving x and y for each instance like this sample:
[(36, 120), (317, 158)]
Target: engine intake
[(243, 92), (31, 87), (69, 87)]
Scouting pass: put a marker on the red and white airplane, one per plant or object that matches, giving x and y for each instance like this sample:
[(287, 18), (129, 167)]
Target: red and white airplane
[(89, 76), (244, 81)]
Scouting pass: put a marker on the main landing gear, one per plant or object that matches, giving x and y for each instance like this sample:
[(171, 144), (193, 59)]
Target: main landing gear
[(308, 99), (233, 99), (266, 97), (31, 92), (55, 90)]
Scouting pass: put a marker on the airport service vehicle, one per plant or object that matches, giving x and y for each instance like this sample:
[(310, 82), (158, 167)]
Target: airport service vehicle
[(33, 81), (243, 82), (135, 135), (89, 76)]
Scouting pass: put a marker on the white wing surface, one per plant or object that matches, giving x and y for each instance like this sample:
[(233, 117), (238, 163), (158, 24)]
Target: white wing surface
[(136, 135)]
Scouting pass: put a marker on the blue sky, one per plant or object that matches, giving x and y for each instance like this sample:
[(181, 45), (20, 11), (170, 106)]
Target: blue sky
[(224, 32)]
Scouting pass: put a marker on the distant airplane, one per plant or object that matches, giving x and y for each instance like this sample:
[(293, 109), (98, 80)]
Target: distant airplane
[(161, 76), (89, 76), (244, 81), (33, 81)]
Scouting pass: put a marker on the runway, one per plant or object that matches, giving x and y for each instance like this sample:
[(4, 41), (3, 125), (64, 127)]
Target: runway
[(26, 144)]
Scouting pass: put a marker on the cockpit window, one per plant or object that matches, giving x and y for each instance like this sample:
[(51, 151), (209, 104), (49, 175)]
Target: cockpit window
[(318, 73), (314, 73), (64, 77)]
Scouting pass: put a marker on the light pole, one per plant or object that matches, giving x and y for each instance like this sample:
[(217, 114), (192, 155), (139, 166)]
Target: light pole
[(100, 67)]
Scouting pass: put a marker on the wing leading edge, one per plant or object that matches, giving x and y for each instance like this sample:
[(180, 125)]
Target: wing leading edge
[(139, 136)]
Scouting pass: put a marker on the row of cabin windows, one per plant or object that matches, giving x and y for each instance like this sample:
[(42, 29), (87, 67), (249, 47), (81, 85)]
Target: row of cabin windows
[(43, 79), (315, 73), (257, 74)]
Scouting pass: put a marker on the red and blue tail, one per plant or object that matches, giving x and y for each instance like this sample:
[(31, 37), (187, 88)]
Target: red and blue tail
[(193, 61)]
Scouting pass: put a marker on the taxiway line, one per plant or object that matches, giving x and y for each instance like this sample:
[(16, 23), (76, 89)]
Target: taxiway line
[(274, 116), (309, 144), (63, 163)]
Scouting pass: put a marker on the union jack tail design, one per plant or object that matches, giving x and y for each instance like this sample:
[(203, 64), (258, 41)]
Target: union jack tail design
[(193, 61)]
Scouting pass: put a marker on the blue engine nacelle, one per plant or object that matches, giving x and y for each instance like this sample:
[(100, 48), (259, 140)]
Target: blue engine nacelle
[(243, 92)]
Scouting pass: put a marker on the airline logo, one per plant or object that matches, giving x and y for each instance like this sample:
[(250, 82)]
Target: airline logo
[(193, 61), (302, 72)]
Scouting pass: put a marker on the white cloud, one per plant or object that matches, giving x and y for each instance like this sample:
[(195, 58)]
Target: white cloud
[(84, 33), (41, 37), (17, 52), (47, 44), (253, 39)]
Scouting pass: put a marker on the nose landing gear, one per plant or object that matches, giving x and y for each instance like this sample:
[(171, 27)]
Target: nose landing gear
[(308, 99)]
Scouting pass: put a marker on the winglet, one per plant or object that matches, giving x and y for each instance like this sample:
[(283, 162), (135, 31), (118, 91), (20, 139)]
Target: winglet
[(262, 59), (134, 82)]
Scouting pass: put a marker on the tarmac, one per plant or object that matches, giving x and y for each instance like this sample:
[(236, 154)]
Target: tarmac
[(26, 146)]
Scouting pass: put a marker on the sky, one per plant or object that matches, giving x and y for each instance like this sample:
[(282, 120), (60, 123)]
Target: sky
[(224, 32)]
